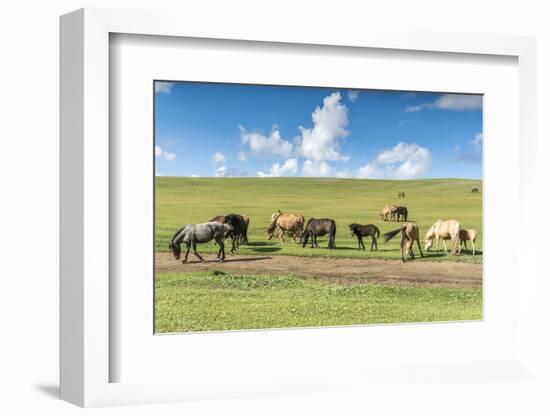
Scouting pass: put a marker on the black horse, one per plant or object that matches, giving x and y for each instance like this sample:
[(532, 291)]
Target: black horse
[(318, 227), (361, 231), (240, 230), (402, 214)]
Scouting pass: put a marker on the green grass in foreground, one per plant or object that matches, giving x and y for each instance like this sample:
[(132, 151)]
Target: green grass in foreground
[(212, 301), (183, 200)]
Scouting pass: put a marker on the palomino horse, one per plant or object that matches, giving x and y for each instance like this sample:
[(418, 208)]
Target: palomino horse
[(388, 212), (466, 235), (281, 223), (444, 230), (409, 234), (200, 233)]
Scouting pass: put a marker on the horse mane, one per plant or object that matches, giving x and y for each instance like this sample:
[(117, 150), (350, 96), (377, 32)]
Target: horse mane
[(176, 234)]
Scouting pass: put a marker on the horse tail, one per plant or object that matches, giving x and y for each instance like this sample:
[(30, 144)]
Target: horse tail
[(389, 235), (376, 231)]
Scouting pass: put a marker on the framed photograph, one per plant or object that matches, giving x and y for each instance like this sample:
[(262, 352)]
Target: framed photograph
[(286, 213)]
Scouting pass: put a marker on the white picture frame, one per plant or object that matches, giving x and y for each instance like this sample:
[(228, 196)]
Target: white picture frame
[(86, 331)]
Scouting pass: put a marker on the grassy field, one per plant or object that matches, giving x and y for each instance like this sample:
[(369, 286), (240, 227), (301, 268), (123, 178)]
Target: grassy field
[(181, 200), (217, 301), (214, 300)]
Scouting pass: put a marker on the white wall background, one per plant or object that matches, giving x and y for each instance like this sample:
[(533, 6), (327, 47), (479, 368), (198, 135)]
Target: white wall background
[(29, 189)]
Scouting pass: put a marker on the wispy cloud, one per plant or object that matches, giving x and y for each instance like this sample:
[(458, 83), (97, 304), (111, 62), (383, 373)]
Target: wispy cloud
[(455, 102), (218, 157), (162, 87), (353, 95), (164, 154), (226, 172), (470, 155)]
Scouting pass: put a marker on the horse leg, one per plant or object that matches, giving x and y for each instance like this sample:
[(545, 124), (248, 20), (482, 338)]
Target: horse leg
[(374, 243), (222, 251), (473, 248), (186, 252), (419, 247), (410, 248), (444, 245), (195, 251), (362, 244)]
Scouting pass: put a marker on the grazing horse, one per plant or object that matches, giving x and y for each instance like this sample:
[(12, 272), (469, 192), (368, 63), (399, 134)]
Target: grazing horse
[(388, 212), (361, 231), (200, 233), (316, 227), (409, 234), (466, 235), (402, 213), (444, 230), (401, 194), (281, 223), (474, 191)]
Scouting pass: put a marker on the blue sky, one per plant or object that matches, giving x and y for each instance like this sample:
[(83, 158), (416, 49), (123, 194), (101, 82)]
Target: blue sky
[(208, 129)]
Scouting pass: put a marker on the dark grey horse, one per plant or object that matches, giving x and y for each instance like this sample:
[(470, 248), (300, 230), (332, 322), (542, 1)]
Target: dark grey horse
[(200, 233), (318, 227), (361, 231), (402, 214)]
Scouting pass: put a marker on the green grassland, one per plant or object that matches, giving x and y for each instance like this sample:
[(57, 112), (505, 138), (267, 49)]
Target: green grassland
[(184, 200), (210, 301)]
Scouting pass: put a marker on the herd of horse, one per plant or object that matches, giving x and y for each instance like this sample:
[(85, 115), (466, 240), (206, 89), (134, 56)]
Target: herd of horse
[(235, 227)]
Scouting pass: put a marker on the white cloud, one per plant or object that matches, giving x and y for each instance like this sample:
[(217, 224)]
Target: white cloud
[(456, 102), (226, 172), (273, 144), (403, 161), (194, 176), (320, 142), (163, 154), (478, 139), (162, 87), (317, 169), (290, 167), (218, 157), (353, 95), (242, 156)]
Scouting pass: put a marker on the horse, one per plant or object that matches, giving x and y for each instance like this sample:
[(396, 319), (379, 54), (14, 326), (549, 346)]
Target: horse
[(239, 226), (316, 227), (402, 213), (200, 233), (401, 194), (243, 239), (361, 231), (387, 211), (474, 191), (466, 235), (409, 234), (281, 223), (444, 230)]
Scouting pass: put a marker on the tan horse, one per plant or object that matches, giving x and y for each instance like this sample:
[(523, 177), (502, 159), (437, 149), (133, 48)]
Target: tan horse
[(281, 223), (388, 212), (444, 230), (409, 234), (465, 235)]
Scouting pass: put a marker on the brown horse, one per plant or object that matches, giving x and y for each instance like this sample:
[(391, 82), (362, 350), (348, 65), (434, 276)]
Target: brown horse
[(466, 235), (409, 234), (281, 223), (444, 230)]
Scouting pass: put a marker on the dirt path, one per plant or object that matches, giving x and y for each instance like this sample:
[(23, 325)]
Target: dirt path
[(341, 270)]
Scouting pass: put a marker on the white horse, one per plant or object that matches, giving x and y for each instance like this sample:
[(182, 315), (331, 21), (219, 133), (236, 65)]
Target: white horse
[(465, 235), (444, 230)]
